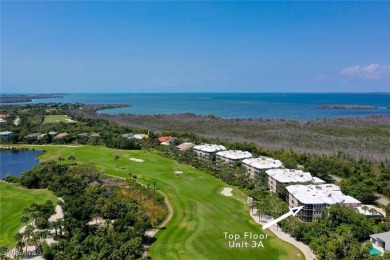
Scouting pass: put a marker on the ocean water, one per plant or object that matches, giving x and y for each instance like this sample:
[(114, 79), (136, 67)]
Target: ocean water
[(300, 106)]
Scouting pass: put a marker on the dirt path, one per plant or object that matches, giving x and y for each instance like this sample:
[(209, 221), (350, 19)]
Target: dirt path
[(309, 255), (149, 234)]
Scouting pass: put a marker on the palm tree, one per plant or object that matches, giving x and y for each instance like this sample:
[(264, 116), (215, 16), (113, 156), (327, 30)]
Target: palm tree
[(71, 158), (35, 239), (25, 219), (373, 211), (54, 225), (60, 160), (27, 234), (116, 158), (3, 252)]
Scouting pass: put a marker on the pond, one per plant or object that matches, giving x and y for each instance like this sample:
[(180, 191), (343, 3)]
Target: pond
[(14, 163)]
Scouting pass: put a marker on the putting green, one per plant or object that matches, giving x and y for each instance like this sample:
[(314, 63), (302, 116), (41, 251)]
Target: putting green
[(201, 213), (12, 202)]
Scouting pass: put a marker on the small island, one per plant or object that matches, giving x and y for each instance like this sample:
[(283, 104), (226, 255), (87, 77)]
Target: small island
[(347, 107)]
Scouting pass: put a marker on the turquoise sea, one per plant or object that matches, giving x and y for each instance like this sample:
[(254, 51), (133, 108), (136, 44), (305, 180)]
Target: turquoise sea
[(301, 106)]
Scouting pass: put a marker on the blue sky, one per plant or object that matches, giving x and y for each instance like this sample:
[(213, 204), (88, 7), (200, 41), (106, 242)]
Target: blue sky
[(195, 46)]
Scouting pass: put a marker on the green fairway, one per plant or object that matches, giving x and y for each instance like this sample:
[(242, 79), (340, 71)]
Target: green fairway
[(55, 119), (12, 202), (201, 213)]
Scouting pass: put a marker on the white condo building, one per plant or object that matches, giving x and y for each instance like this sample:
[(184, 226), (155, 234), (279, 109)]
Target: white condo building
[(205, 150), (316, 197), (255, 165), (276, 177), (232, 156)]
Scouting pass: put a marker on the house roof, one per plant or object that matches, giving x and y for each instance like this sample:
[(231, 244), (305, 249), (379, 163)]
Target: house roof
[(141, 136), (127, 135), (368, 212), (320, 194), (384, 237), (289, 175), (185, 146), (32, 135), (262, 163), (61, 135), (5, 133), (209, 148), (235, 154), (164, 138)]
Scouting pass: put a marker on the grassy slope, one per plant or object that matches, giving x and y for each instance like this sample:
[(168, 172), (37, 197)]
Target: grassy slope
[(201, 213), (12, 202)]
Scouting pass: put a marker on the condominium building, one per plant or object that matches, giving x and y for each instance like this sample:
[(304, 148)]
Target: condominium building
[(314, 198), (205, 150), (255, 165), (233, 156), (276, 177)]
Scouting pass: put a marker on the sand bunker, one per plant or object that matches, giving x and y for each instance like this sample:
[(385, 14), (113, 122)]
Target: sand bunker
[(136, 160), (227, 192)]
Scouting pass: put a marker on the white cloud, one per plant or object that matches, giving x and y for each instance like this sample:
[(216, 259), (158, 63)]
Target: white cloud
[(373, 71)]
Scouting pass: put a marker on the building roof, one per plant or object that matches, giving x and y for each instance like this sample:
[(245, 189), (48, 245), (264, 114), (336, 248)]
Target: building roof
[(384, 237), (3, 116), (61, 135), (52, 133), (127, 135), (368, 212), (320, 194), (95, 135), (34, 135), (5, 133), (289, 175), (317, 180), (3, 120), (235, 154), (209, 148), (140, 136), (164, 138), (185, 146), (85, 134), (263, 163)]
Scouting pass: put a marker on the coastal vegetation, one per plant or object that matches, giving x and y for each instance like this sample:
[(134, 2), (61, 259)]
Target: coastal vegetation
[(360, 137)]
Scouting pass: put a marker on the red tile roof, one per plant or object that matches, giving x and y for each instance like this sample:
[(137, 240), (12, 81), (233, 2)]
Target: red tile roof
[(164, 138)]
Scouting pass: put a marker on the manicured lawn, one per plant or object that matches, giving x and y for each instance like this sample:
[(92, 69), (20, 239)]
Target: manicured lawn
[(55, 119), (12, 202), (201, 213)]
